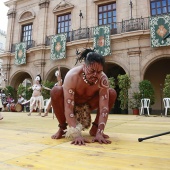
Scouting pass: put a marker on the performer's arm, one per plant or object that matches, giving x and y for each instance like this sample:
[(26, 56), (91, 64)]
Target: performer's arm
[(69, 104), (103, 104), (46, 88)]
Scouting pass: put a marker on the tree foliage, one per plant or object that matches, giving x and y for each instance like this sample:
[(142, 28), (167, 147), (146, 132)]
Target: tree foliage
[(166, 89), (112, 82), (147, 91), (46, 93), (9, 89), (124, 84)]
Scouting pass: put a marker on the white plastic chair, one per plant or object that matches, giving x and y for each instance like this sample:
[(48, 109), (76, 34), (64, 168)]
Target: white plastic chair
[(166, 102), (46, 102), (145, 105)]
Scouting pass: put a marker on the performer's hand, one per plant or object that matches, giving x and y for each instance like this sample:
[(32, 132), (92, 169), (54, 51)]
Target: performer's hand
[(101, 139), (79, 141)]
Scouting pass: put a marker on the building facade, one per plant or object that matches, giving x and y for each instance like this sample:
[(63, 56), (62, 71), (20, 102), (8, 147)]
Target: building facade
[(36, 21)]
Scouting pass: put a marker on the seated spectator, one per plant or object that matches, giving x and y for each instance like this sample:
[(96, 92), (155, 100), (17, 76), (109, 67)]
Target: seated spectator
[(9, 101), (3, 99), (21, 100), (1, 106)]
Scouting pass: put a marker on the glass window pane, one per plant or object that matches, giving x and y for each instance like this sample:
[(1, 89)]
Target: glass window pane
[(105, 15), (100, 16), (66, 23), (109, 20), (66, 29), (59, 19), (105, 21), (168, 2), (62, 24), (109, 14), (169, 9), (153, 12), (109, 7), (158, 4), (58, 30), (164, 10), (153, 5), (114, 13), (159, 11), (114, 6), (100, 22), (104, 8), (62, 18), (164, 3), (62, 29), (114, 19), (66, 17), (100, 9)]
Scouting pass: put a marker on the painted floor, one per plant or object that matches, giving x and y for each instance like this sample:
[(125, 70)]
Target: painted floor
[(25, 143)]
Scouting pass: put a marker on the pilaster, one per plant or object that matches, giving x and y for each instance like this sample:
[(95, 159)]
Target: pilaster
[(10, 29), (134, 69), (42, 21)]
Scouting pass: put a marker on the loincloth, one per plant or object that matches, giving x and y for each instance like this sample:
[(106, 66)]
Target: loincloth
[(83, 116)]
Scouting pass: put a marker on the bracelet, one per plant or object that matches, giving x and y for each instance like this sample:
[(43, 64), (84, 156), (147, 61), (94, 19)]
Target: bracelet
[(95, 124), (74, 132)]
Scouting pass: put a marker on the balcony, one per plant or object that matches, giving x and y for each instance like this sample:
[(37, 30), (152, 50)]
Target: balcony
[(115, 28), (30, 44), (85, 33)]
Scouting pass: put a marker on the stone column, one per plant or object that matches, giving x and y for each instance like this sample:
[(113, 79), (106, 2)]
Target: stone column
[(134, 69), (10, 29)]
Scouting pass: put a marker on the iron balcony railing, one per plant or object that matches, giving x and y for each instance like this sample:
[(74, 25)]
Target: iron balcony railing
[(115, 28), (29, 44), (84, 33)]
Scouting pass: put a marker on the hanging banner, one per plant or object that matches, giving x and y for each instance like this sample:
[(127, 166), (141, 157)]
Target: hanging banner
[(20, 53), (101, 40), (159, 28), (58, 46)]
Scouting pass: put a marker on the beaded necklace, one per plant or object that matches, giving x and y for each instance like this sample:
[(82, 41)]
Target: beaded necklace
[(86, 81)]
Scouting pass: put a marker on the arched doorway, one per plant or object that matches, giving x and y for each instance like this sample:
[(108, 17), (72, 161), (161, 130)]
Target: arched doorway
[(113, 70), (18, 78), (51, 75), (156, 73)]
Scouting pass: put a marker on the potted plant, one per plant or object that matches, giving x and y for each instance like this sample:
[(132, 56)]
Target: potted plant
[(147, 91), (166, 89), (135, 102), (124, 84)]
